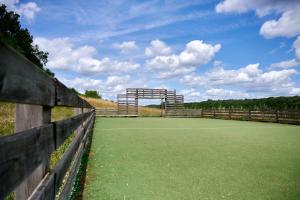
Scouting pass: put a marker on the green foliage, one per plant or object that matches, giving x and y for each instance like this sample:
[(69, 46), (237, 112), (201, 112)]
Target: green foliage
[(77, 190), (61, 112), (58, 153), (271, 103), (7, 111), (19, 38), (74, 90), (92, 94)]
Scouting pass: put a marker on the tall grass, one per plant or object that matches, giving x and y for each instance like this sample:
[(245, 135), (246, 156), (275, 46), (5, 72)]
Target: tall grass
[(7, 118)]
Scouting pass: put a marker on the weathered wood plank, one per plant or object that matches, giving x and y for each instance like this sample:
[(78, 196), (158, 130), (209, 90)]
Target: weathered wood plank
[(45, 190), (64, 163), (29, 116), (23, 82), (65, 127), (21, 154), (67, 97), (65, 194), (48, 188)]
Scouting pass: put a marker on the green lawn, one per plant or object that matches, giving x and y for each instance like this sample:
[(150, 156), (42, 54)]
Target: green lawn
[(175, 158)]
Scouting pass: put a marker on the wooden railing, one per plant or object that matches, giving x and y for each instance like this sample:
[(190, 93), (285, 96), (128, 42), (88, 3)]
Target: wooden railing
[(106, 112), (25, 155), (278, 116)]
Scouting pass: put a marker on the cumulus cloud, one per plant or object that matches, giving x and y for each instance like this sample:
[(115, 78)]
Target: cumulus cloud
[(63, 55), (296, 46), (157, 48), (295, 91), (250, 78), (195, 54), (108, 88), (126, 47), (288, 25), (219, 93), (285, 64), (28, 10), (193, 95)]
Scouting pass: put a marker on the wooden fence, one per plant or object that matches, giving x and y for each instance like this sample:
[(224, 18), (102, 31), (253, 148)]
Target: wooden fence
[(278, 116), (106, 112), (25, 155)]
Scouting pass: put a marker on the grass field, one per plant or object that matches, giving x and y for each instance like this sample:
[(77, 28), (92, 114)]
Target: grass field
[(172, 158)]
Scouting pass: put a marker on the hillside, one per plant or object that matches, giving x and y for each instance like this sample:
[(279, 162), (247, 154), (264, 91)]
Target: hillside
[(143, 111)]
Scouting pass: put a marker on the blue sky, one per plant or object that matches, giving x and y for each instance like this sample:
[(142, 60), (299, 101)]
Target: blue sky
[(206, 49)]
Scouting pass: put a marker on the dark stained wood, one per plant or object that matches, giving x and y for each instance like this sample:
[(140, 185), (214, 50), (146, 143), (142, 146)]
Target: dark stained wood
[(50, 185), (66, 97), (62, 166), (23, 82), (65, 127), (65, 194), (21, 154), (29, 116), (46, 189)]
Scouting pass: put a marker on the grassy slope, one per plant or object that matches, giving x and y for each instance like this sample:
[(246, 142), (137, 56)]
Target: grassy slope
[(144, 111), (163, 158), (7, 119)]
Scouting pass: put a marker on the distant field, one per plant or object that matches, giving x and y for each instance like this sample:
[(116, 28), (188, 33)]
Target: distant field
[(168, 159)]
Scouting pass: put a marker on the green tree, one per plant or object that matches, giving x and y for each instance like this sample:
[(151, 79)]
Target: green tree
[(20, 39), (93, 94)]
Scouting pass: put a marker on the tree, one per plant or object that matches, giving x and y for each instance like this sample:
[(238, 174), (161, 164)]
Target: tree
[(20, 39), (74, 90), (93, 94)]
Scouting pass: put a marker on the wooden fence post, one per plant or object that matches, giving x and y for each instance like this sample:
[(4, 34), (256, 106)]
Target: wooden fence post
[(277, 112), (229, 113), (26, 117), (78, 111), (249, 115)]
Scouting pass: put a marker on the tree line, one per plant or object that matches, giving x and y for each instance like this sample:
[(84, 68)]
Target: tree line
[(270, 103)]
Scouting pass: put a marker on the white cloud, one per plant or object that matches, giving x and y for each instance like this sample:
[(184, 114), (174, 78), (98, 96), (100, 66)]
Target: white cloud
[(261, 7), (191, 95), (296, 46), (285, 64), (126, 47), (195, 54), (64, 56), (288, 25), (219, 93), (28, 10), (250, 78), (108, 88), (157, 48), (295, 91)]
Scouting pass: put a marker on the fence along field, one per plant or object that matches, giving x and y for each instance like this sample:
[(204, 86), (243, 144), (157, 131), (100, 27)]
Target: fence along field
[(25, 155), (277, 116)]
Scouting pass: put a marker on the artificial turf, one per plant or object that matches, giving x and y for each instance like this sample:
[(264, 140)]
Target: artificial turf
[(176, 158)]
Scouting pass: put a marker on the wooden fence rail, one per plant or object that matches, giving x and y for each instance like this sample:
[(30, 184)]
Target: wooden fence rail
[(27, 153), (278, 116)]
